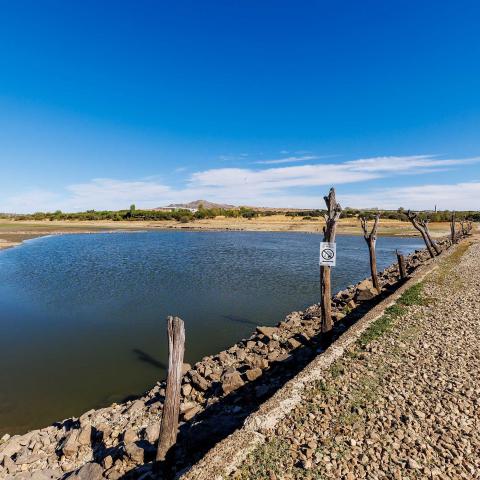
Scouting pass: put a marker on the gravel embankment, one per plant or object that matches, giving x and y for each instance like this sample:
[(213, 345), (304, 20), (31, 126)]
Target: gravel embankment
[(404, 403)]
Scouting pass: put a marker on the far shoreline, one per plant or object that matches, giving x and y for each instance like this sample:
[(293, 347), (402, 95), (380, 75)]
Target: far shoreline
[(14, 232)]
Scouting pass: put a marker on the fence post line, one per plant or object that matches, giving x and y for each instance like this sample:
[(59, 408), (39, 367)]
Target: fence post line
[(171, 407), (329, 231), (401, 265)]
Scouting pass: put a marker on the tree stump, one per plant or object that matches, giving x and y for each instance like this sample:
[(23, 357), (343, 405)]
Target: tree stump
[(171, 407), (401, 266)]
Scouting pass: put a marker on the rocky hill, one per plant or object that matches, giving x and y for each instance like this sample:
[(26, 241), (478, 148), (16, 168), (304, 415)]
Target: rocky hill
[(204, 203)]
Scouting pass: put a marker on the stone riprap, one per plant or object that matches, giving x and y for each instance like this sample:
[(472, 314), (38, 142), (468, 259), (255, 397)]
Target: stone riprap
[(218, 393)]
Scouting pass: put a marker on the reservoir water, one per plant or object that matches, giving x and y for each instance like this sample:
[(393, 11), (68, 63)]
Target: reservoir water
[(82, 317)]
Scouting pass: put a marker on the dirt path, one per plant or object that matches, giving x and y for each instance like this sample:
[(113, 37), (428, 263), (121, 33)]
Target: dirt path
[(404, 403)]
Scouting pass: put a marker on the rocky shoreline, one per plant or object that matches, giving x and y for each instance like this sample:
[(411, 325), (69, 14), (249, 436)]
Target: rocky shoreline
[(218, 393)]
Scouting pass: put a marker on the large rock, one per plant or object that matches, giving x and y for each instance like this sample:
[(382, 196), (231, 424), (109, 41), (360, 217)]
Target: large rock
[(152, 432), (136, 406), (9, 465), (85, 435), (186, 389), (70, 444), (48, 474), (365, 291), (105, 429), (11, 447), (130, 435), (253, 374), (231, 381), (89, 471), (189, 413), (185, 368), (27, 458), (257, 361), (269, 332), (241, 355), (134, 452), (184, 406), (199, 381), (293, 343), (225, 358)]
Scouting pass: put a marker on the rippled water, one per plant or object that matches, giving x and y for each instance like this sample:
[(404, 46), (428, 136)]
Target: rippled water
[(82, 317)]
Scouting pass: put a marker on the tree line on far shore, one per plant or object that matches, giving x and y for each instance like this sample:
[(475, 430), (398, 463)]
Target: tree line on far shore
[(186, 216)]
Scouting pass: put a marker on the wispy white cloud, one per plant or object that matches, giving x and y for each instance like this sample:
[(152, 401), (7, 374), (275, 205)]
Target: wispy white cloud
[(298, 157), (409, 164), (110, 192), (275, 178), (282, 186), (304, 158), (279, 178), (457, 196)]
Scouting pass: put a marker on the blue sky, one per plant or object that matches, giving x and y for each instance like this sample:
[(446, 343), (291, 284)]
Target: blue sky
[(104, 104)]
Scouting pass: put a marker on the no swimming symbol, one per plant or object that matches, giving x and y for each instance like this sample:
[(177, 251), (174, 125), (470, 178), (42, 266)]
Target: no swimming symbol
[(328, 254)]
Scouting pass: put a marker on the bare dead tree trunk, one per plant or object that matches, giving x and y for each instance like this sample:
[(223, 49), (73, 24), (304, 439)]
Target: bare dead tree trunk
[(424, 224), (452, 228), (171, 407), (466, 227), (371, 239), (401, 266), (413, 217), (329, 232)]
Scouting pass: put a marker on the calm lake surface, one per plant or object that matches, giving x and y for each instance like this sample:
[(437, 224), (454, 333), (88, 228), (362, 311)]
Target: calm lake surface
[(82, 317)]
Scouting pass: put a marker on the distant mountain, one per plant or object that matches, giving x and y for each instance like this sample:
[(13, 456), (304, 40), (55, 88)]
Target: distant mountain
[(204, 203), (225, 206)]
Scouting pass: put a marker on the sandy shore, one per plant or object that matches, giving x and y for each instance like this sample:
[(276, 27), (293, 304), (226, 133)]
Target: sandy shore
[(15, 232)]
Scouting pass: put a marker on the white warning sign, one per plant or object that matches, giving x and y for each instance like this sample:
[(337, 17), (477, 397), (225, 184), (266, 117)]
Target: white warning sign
[(328, 254)]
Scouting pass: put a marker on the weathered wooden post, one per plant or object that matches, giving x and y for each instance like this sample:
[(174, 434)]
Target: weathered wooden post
[(452, 228), (401, 265), (413, 217), (171, 407), (371, 239), (329, 231)]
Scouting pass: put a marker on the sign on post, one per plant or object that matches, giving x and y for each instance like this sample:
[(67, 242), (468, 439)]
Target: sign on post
[(328, 254)]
